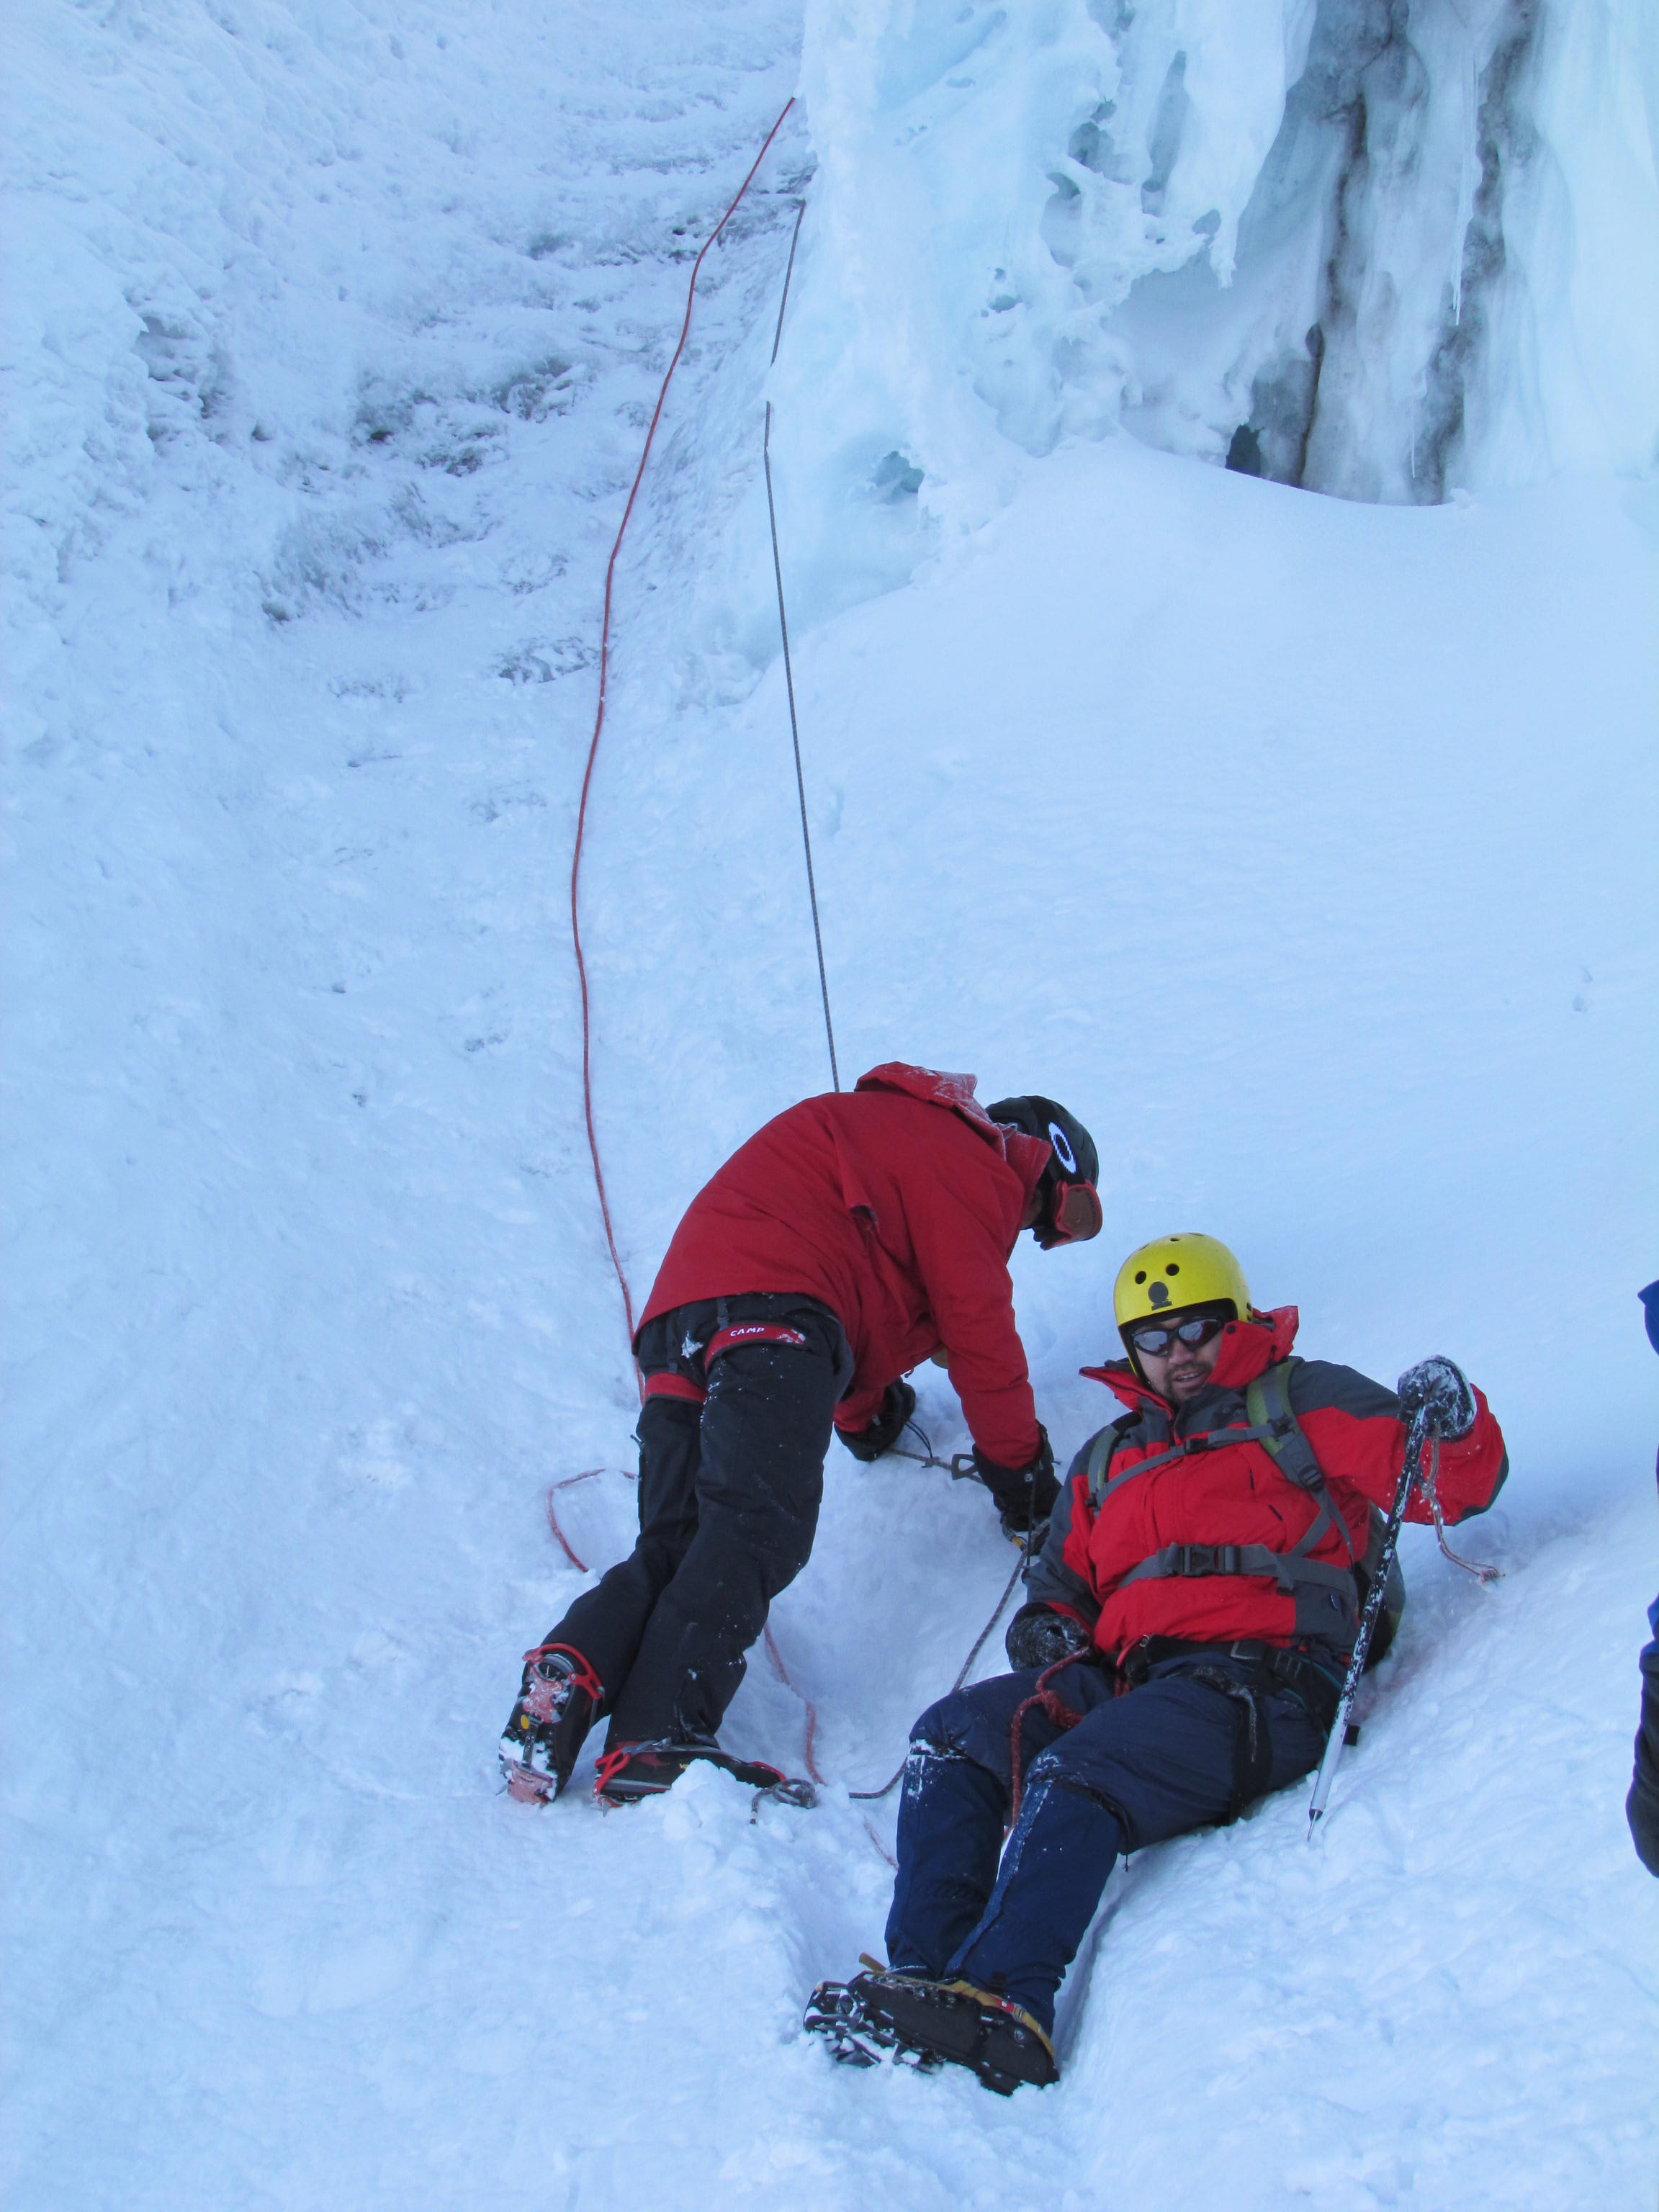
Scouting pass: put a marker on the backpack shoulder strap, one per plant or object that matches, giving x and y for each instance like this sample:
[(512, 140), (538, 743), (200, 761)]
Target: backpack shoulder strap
[(1101, 1455), (1267, 1402)]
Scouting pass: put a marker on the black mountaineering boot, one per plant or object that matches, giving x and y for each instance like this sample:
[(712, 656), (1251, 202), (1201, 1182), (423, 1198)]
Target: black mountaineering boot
[(929, 2023), (555, 1707)]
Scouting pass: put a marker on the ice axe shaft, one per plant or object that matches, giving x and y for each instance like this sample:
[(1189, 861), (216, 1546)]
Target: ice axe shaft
[(1410, 1472)]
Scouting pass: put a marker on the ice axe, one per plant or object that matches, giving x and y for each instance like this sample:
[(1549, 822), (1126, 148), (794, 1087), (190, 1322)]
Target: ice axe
[(1410, 1472)]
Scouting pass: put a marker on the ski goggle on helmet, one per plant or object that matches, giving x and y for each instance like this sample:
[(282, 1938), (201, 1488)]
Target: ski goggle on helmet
[(1069, 1208), (1172, 1276)]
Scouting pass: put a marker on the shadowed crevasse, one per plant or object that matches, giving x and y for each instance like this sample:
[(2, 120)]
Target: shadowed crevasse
[(1353, 152)]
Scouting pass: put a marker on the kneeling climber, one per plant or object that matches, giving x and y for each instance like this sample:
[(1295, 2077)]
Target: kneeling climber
[(851, 1237), (1189, 1623)]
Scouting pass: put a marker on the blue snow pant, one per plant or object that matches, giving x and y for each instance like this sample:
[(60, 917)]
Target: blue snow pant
[(1153, 1762)]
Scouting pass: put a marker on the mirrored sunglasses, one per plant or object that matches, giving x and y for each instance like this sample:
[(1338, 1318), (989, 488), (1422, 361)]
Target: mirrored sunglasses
[(1154, 1339)]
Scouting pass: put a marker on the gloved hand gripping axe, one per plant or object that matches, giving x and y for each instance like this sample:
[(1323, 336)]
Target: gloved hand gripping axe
[(1432, 1407)]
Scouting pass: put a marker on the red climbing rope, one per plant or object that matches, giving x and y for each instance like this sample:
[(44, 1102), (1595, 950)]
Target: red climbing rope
[(598, 725), (559, 1537), (782, 1673), (1057, 1711)]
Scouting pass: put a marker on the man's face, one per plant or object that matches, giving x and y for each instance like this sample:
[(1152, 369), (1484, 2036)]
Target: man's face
[(1180, 1370)]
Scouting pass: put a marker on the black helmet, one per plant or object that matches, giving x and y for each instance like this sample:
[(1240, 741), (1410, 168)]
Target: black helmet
[(1071, 1209)]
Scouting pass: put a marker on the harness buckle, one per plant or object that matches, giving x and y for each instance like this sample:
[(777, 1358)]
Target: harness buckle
[(1205, 1559)]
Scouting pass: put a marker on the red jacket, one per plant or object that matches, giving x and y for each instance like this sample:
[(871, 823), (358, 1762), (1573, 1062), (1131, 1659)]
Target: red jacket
[(1234, 1494), (896, 1206)]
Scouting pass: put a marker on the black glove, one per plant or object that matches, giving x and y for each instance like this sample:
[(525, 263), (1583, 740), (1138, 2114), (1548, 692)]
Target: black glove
[(1025, 1495), (1039, 1636), (898, 1402), (1435, 1388)]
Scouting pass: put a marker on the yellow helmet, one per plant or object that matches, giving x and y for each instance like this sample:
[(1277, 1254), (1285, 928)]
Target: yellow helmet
[(1186, 1270)]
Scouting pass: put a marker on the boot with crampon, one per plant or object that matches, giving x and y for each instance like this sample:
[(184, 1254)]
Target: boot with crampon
[(908, 2018), (634, 1770), (556, 1706)]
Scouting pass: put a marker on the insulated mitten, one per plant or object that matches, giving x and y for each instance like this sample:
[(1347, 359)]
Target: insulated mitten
[(1039, 1636), (897, 1404), (1026, 1495), (1436, 1388)]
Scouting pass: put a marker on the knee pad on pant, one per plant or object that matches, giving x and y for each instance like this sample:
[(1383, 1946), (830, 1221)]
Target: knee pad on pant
[(925, 1758), (946, 1727)]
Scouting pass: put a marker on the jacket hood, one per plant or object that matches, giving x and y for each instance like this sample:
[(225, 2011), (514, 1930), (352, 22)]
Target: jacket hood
[(1248, 1348), (1027, 1155)]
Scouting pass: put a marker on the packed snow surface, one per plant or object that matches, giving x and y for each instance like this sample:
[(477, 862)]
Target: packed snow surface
[(1304, 846)]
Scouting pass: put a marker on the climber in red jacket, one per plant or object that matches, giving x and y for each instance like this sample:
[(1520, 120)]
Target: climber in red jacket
[(1190, 1620), (854, 1237)]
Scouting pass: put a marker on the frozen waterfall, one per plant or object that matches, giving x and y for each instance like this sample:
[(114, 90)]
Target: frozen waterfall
[(1387, 249)]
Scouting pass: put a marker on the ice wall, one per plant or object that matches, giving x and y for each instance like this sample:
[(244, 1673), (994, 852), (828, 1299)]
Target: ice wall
[(1381, 248)]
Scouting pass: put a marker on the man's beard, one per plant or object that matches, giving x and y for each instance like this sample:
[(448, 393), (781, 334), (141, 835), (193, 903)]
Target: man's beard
[(1187, 1382)]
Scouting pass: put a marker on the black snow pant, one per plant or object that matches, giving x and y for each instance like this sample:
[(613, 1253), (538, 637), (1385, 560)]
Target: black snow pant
[(729, 1494)]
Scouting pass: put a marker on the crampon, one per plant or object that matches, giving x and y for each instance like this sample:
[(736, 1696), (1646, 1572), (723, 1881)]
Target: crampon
[(880, 2017), (555, 1706), (634, 1771)]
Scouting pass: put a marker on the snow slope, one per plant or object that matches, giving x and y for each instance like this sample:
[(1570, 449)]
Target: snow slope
[(1303, 847)]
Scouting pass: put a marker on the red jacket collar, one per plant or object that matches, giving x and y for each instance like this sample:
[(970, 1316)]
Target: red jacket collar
[(1027, 1155), (1248, 1348)]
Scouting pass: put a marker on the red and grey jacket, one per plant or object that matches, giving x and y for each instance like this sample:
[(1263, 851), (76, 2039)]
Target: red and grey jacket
[(896, 1206), (1173, 1524)]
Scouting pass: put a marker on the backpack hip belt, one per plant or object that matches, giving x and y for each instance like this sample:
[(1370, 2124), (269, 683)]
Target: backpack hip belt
[(1315, 1687)]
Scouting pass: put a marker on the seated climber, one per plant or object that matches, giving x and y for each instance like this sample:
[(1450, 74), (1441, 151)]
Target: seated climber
[(851, 1238), (1191, 1618)]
